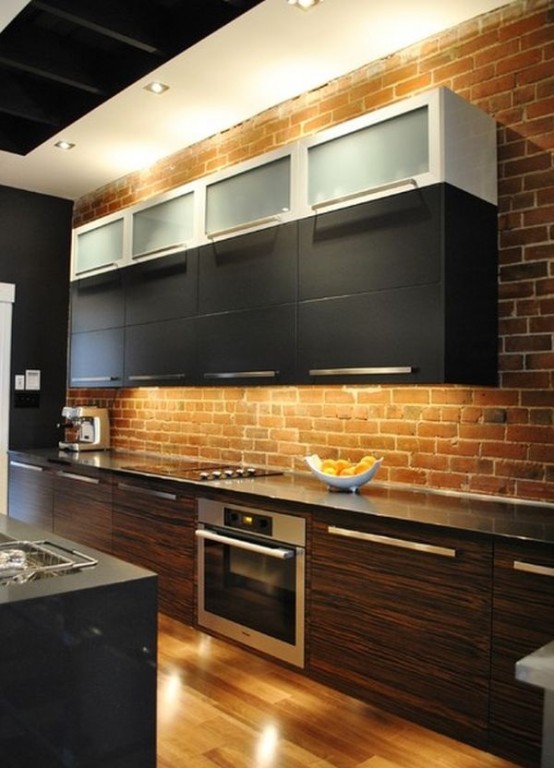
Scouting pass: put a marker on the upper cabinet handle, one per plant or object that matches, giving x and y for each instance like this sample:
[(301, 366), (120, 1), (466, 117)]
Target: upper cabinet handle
[(362, 192), (540, 570), (245, 226), (156, 377), (374, 371), (94, 378), (98, 266), (161, 249), (375, 538), (242, 375)]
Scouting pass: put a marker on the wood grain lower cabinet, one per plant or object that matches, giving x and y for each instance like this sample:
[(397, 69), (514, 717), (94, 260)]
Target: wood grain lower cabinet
[(153, 526), (83, 508), (400, 617), (30, 494), (523, 621)]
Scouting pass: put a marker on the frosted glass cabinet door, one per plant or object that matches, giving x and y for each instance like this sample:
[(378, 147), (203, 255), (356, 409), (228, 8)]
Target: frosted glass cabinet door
[(163, 226), (99, 247), (260, 193), (371, 157)]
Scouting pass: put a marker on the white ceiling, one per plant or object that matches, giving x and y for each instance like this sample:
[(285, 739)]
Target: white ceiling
[(268, 55)]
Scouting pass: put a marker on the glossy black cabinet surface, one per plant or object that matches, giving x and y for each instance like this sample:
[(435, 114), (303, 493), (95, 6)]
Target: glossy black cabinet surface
[(97, 302), (162, 353), (388, 243), (250, 347), (247, 271), (161, 289), (401, 289), (97, 358)]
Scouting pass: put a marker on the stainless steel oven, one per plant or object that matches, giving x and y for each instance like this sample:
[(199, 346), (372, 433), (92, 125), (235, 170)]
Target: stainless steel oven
[(251, 577)]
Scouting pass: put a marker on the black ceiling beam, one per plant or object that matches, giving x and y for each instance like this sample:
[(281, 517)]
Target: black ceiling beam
[(111, 20), (43, 56)]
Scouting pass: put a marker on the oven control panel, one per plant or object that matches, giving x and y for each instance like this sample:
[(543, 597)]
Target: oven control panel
[(248, 521)]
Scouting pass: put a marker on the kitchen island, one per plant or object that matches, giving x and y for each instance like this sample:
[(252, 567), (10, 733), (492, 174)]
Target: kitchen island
[(78, 664)]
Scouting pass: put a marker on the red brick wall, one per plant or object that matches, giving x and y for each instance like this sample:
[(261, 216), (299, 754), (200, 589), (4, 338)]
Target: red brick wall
[(493, 441)]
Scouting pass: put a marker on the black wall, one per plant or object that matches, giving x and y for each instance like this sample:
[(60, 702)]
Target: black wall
[(35, 244)]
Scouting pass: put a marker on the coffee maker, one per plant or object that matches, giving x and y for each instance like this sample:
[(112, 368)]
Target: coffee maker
[(91, 427)]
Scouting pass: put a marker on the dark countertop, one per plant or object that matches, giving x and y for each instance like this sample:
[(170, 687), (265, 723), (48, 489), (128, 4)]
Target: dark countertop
[(510, 517), (109, 571)]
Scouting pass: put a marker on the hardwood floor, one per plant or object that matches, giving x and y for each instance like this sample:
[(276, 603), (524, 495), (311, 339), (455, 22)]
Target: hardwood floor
[(221, 706)]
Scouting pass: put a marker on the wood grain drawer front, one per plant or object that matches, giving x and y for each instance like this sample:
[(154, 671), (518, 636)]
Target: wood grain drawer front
[(523, 620), (83, 508), (401, 617), (153, 526), (30, 497)]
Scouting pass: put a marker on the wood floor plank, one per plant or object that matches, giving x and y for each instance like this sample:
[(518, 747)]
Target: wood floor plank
[(222, 707)]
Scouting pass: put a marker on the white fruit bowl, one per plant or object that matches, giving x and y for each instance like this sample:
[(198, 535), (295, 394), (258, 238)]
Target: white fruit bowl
[(347, 483)]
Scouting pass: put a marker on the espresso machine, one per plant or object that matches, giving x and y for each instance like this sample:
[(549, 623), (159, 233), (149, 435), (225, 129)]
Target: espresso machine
[(90, 428)]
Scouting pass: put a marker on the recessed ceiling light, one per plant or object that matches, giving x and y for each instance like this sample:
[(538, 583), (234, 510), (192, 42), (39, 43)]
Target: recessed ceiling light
[(156, 87), (304, 5), (64, 145)]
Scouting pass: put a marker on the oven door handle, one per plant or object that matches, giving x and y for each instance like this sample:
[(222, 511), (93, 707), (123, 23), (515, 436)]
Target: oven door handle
[(278, 552)]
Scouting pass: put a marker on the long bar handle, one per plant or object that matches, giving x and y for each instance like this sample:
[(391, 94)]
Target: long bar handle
[(373, 371), (98, 266), (278, 552), (367, 191), (161, 249), (94, 378), (26, 466), (246, 226), (541, 570), (147, 491), (80, 478), (418, 546), (242, 375), (156, 377)]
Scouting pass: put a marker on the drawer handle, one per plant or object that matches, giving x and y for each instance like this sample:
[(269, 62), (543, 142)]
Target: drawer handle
[(147, 491), (94, 378), (376, 371), (418, 546), (157, 377), (368, 191), (80, 478), (242, 375), (244, 227), (32, 467), (541, 570)]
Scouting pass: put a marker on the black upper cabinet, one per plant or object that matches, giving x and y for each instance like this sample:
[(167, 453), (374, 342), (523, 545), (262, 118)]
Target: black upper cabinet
[(248, 347), (97, 318), (97, 302), (97, 358), (251, 270), (160, 354), (387, 243), (401, 289), (162, 288)]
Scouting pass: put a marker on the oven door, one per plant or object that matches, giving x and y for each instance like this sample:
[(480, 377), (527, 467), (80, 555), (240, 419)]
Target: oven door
[(252, 591)]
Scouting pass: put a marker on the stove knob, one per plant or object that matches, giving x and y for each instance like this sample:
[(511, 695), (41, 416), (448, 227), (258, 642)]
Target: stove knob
[(228, 473), (251, 471), (216, 474), (239, 471), (204, 475)]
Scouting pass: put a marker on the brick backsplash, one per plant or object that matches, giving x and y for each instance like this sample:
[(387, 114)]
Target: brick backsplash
[(482, 440)]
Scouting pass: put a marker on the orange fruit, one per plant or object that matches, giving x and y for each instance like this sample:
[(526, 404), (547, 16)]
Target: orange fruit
[(341, 464)]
